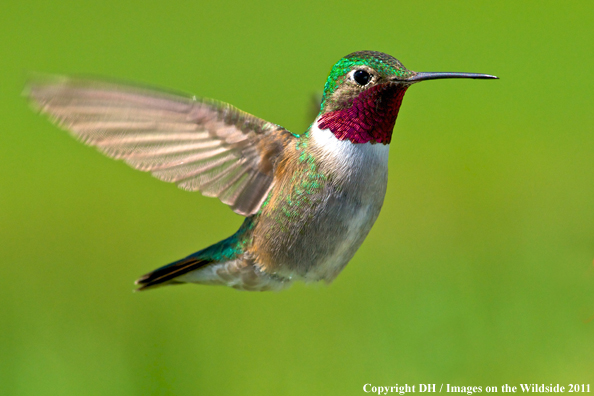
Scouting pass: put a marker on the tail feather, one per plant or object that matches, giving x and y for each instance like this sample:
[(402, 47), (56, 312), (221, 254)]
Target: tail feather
[(226, 250), (167, 274)]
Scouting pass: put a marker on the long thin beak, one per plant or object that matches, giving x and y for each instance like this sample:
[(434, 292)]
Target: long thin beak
[(422, 76)]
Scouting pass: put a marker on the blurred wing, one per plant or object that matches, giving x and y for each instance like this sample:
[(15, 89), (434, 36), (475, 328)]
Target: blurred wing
[(198, 144)]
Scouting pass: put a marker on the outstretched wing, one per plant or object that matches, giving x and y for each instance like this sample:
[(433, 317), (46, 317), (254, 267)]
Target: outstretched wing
[(198, 144)]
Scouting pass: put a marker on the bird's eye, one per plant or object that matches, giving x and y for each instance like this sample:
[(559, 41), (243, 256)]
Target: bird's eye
[(361, 77)]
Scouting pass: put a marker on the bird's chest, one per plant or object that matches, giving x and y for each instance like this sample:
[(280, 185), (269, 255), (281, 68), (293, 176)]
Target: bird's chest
[(322, 206)]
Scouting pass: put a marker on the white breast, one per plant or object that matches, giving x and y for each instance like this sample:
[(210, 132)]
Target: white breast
[(363, 168)]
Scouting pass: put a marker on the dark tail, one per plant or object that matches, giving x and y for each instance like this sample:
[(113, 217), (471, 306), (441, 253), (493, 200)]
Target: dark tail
[(166, 275), (225, 250)]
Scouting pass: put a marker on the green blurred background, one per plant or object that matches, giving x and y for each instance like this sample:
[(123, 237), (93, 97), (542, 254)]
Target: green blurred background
[(478, 272)]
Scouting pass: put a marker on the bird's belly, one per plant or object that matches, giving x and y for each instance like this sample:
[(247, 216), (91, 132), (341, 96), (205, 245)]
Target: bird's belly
[(317, 242), (345, 236)]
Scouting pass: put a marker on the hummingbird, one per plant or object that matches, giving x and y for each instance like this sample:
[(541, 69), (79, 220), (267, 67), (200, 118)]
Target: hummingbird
[(309, 200)]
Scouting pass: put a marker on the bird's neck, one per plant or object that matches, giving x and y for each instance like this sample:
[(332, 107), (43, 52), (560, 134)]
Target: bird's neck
[(370, 117), (342, 159)]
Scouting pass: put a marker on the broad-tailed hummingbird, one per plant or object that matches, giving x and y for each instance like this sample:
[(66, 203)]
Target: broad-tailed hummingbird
[(309, 200)]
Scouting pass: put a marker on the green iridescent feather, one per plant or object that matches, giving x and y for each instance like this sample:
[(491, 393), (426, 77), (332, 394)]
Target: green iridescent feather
[(384, 64)]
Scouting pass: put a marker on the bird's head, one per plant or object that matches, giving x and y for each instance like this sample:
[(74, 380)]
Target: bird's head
[(363, 94)]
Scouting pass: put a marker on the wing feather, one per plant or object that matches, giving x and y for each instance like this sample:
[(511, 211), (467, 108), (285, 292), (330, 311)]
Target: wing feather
[(201, 145)]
